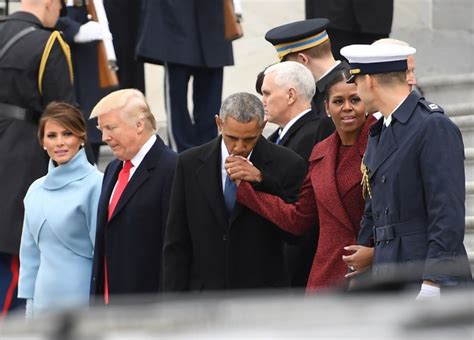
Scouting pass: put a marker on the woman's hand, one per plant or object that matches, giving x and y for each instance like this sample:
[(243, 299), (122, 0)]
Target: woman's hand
[(359, 261)]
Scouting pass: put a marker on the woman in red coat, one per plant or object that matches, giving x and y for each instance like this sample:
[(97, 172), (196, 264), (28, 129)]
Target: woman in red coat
[(331, 189)]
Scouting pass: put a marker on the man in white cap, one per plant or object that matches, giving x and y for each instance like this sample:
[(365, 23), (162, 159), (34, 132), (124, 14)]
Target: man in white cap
[(414, 183)]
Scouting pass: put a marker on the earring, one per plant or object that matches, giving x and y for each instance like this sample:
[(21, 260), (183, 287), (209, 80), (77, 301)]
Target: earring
[(329, 116), (82, 144), (44, 148)]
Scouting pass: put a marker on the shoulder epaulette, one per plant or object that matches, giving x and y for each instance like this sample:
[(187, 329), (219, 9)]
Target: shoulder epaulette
[(46, 52), (431, 107)]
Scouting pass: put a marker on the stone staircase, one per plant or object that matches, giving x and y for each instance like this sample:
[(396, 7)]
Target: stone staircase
[(455, 93)]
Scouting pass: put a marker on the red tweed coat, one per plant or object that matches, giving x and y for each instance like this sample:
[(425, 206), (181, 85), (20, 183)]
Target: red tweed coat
[(336, 196)]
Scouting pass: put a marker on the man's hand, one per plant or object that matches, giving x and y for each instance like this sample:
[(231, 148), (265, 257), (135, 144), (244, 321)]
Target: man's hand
[(359, 261), (241, 169)]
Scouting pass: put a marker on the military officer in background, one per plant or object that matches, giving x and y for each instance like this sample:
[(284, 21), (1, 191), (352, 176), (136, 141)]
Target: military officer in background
[(307, 42), (35, 69), (414, 184)]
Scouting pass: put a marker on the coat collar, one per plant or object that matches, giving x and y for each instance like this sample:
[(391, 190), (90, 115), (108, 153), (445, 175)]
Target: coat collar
[(59, 176), (141, 175), (406, 109), (322, 83), (25, 16), (384, 147), (307, 117)]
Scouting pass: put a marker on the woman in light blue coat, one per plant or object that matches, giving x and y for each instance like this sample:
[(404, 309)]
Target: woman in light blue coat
[(58, 236)]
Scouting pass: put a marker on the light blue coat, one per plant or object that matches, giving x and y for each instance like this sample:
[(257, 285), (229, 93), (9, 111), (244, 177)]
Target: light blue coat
[(57, 244)]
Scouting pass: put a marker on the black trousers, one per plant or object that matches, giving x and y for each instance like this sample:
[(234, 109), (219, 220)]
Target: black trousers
[(186, 130)]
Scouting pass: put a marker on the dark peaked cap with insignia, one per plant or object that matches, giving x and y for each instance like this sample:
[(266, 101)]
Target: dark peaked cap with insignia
[(373, 59), (298, 36)]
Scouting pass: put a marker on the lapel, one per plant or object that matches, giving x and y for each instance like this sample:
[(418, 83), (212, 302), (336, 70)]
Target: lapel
[(325, 156), (107, 187), (141, 175), (308, 116), (209, 179), (388, 144), (261, 160)]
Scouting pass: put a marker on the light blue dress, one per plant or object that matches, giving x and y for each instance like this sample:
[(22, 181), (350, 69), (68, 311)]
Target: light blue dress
[(57, 244)]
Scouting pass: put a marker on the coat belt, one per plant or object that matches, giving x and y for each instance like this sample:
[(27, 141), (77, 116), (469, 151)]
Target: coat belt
[(15, 112), (392, 231)]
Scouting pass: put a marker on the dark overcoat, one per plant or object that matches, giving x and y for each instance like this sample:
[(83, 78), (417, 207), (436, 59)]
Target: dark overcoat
[(186, 32), (207, 250), (133, 238), (22, 160), (301, 138), (416, 213), (365, 16)]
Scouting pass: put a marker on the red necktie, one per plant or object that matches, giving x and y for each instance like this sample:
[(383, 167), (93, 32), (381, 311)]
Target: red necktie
[(122, 181)]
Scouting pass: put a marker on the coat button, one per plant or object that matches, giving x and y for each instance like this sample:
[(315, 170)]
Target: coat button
[(386, 211), (224, 238), (376, 215), (384, 179)]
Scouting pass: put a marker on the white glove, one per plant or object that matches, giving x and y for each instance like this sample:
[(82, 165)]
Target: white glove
[(29, 309), (428, 292), (91, 31)]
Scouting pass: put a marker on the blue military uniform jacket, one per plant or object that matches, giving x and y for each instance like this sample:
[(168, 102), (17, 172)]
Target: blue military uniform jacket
[(416, 211)]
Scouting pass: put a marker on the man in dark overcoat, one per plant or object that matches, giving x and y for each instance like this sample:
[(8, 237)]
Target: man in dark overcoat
[(287, 90), (187, 37), (35, 69), (213, 243), (413, 176), (353, 21), (133, 206)]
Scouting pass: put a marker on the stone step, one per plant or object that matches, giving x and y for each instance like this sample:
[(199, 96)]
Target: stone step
[(448, 89)]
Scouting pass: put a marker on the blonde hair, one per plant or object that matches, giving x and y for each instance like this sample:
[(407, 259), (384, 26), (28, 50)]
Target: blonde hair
[(131, 103)]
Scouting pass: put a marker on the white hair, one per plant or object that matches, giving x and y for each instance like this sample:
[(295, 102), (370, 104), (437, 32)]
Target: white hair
[(292, 74)]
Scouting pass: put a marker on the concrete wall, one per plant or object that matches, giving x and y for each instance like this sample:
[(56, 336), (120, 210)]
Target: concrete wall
[(441, 30)]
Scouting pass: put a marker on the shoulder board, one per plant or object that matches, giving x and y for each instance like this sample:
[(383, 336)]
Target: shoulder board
[(55, 36), (431, 107)]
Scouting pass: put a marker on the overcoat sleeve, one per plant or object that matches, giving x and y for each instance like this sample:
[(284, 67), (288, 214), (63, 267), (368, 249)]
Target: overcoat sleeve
[(442, 169)]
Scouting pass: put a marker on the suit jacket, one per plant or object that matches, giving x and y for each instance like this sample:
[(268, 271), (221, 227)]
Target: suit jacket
[(332, 192), (366, 16), (418, 189), (207, 250), (302, 136), (132, 240), (186, 32)]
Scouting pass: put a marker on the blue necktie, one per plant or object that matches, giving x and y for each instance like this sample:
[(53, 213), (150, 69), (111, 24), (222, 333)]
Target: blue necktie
[(230, 191), (278, 140)]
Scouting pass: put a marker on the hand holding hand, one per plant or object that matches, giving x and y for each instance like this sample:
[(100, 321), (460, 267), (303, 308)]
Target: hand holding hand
[(359, 261), (241, 169)]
